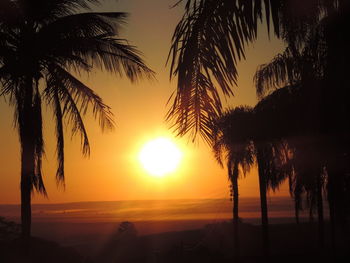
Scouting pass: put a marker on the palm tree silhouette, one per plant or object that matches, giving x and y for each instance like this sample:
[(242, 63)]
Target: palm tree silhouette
[(232, 141), (42, 43), (303, 69), (209, 41), (235, 138), (302, 161), (268, 149)]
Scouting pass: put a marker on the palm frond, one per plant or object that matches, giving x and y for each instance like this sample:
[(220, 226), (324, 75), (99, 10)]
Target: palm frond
[(86, 40), (74, 118), (60, 136), (42, 11), (37, 178), (73, 93), (211, 36), (70, 111), (195, 110), (283, 70), (218, 146), (207, 43), (6, 83), (84, 25), (84, 96)]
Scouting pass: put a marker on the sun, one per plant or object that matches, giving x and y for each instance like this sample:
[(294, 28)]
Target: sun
[(160, 157)]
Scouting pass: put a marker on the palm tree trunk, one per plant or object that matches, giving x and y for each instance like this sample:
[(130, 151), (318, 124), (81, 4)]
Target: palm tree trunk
[(332, 223), (297, 197), (296, 210), (27, 170), (332, 213), (320, 212), (27, 138), (311, 214), (235, 210), (235, 192), (263, 203)]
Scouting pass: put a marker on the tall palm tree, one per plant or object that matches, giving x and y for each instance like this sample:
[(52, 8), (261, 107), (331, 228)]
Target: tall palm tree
[(232, 141), (335, 108), (324, 54), (299, 113), (236, 138), (270, 177), (43, 45), (274, 123), (303, 69)]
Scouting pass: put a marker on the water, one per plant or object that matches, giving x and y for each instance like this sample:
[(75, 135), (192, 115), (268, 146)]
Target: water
[(150, 210)]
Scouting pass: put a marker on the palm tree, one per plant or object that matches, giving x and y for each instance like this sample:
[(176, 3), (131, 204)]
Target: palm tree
[(232, 141), (275, 123), (269, 178), (303, 69), (335, 108), (234, 134), (324, 54), (42, 44), (298, 116)]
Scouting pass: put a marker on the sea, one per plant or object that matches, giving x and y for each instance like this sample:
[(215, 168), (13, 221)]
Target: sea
[(152, 210)]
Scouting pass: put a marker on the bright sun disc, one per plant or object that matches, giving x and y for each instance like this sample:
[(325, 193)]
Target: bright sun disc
[(160, 157)]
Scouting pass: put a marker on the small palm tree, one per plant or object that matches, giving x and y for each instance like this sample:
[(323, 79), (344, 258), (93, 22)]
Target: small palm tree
[(43, 45), (232, 141)]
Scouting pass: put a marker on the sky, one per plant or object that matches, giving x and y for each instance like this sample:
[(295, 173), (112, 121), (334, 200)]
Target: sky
[(113, 171)]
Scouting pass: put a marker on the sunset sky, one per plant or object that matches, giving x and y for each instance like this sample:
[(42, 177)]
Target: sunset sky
[(113, 171)]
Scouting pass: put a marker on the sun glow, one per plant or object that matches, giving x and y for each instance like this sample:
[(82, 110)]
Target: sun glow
[(160, 157)]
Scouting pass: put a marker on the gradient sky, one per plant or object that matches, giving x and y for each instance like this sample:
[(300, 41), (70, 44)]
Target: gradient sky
[(113, 172)]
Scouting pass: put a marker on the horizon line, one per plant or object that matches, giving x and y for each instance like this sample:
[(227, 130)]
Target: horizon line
[(139, 200)]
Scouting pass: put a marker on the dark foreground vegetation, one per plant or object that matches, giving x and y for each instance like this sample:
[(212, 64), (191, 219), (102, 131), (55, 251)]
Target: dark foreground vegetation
[(213, 243), (299, 131), (38, 250), (17, 250)]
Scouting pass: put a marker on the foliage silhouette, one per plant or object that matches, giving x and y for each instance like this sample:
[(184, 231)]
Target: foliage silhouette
[(207, 44), (209, 41), (42, 43)]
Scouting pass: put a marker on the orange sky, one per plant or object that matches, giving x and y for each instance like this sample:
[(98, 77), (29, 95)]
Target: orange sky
[(113, 172)]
